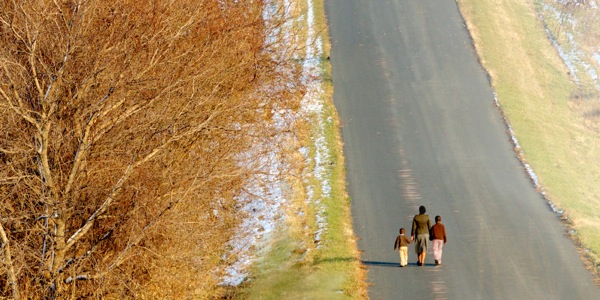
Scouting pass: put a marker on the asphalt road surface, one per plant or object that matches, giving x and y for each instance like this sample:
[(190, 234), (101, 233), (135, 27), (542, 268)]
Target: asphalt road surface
[(420, 127)]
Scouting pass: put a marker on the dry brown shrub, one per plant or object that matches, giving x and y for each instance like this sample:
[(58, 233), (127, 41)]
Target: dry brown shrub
[(123, 126)]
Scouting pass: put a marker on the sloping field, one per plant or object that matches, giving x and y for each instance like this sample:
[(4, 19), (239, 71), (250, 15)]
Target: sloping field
[(541, 97)]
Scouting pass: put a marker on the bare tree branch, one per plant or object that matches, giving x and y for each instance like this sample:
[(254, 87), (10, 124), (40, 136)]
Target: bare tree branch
[(123, 126), (7, 261)]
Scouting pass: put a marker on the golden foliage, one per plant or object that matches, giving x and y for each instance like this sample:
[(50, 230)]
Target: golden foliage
[(122, 129)]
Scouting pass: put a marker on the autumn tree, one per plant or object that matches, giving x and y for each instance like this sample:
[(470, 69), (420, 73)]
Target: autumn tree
[(124, 133)]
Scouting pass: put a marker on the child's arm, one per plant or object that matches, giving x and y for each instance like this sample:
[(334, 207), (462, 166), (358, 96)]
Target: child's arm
[(445, 240)]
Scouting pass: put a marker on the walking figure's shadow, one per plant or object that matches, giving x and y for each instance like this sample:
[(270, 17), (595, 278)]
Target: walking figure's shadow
[(371, 263)]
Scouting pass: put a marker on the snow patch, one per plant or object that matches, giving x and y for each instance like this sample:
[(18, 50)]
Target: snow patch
[(312, 104), (570, 51), (262, 203)]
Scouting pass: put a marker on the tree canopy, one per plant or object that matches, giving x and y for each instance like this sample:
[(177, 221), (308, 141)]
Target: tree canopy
[(123, 128)]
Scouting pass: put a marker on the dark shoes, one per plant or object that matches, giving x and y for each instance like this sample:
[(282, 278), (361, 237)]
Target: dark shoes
[(437, 263)]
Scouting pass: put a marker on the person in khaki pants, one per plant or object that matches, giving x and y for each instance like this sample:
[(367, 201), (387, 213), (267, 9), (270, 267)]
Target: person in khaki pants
[(438, 239), (401, 245)]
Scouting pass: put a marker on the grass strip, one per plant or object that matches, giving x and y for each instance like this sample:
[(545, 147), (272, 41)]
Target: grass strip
[(297, 267)]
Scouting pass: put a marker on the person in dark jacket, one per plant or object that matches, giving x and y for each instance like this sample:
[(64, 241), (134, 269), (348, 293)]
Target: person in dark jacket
[(438, 239), (401, 245), (420, 234)]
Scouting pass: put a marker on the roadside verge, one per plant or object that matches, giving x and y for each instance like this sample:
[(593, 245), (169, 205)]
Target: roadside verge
[(314, 255)]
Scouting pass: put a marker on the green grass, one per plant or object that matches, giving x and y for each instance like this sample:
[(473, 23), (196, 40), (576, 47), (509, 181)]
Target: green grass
[(295, 268), (535, 93)]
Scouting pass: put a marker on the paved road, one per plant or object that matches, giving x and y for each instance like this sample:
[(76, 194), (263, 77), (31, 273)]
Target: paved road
[(420, 128)]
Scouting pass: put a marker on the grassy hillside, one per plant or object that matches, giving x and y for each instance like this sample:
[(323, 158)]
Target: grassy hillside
[(537, 97)]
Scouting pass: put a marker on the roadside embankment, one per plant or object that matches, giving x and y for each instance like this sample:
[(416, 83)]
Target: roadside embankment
[(538, 97)]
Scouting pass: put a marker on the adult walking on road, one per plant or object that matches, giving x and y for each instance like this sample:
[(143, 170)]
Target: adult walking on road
[(420, 233), (438, 239)]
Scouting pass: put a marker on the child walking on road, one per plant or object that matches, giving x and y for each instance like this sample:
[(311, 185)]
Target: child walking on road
[(438, 237), (401, 245)]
